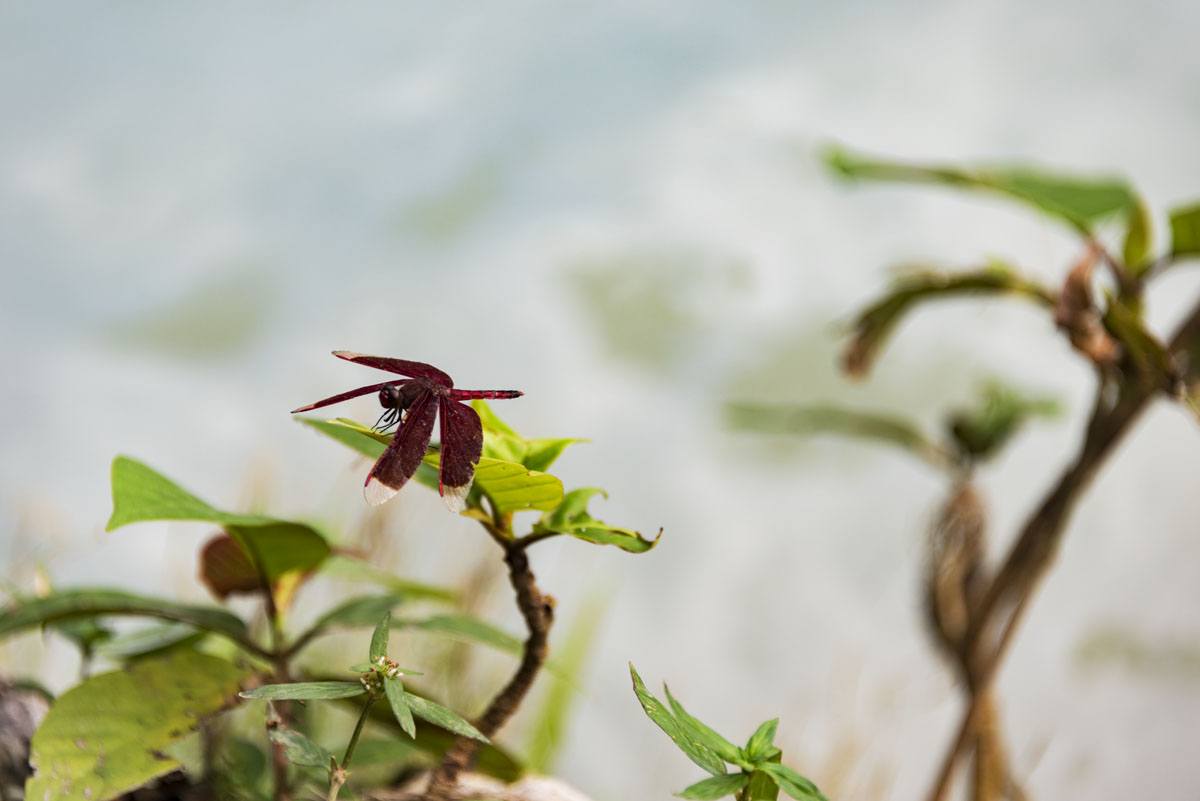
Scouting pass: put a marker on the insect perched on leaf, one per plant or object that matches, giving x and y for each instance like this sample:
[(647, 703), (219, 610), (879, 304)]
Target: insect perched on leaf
[(415, 401)]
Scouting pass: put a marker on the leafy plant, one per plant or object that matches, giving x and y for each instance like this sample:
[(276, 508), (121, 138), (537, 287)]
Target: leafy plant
[(758, 772)]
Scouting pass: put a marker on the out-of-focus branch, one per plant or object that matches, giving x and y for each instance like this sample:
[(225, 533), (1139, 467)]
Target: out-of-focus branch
[(1032, 555)]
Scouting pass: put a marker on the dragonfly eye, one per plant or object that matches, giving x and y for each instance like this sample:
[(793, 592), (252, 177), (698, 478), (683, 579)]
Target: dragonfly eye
[(389, 397)]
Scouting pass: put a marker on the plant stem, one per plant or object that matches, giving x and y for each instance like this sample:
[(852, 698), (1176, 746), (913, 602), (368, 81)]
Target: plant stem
[(1032, 555), (337, 773), (538, 611)]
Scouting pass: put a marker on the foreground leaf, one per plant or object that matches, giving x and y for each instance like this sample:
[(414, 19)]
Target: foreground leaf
[(298, 749), (305, 691), (571, 517), (703, 733), (1185, 230), (108, 735), (762, 742), (875, 324), (398, 700), (792, 782), (1081, 202), (445, 718), (657, 712), (813, 420), (88, 603), (379, 639), (715, 787), (434, 741)]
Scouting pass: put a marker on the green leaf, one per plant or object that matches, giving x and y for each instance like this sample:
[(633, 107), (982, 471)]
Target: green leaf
[(982, 431), (398, 699), (357, 570), (305, 691), (379, 638), (500, 441), (1185, 230), (298, 749), (109, 734), (1136, 248), (362, 611), (762, 743), (434, 741), (715, 787), (814, 420), (792, 782), (571, 517), (149, 640), (549, 725), (439, 715), (91, 603), (510, 486), (277, 547), (1081, 202), (657, 712), (875, 324), (468, 628), (702, 733)]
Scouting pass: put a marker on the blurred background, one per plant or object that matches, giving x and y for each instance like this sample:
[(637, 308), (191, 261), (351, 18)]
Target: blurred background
[(619, 209)]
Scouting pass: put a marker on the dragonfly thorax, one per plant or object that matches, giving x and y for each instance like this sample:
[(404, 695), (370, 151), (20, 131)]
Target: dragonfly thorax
[(400, 396)]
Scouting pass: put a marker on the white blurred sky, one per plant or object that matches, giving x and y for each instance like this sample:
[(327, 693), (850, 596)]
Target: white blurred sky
[(425, 182)]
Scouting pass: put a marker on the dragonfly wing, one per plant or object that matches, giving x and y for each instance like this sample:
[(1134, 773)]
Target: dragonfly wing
[(462, 445), (404, 455), (354, 393), (400, 366)]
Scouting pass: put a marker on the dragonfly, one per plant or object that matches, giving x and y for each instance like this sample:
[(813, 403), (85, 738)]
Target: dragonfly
[(414, 402)]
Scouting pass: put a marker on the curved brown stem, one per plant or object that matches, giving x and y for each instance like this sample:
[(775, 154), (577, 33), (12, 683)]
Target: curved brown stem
[(538, 611)]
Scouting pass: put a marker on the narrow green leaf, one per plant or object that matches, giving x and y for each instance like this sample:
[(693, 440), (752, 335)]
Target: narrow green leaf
[(815, 420), (1136, 248), (500, 441), (875, 324), (762, 742), (792, 782), (439, 715), (149, 640), (91, 603), (110, 734), (398, 699), (571, 517), (379, 638), (357, 570), (305, 691), (434, 741), (550, 721), (468, 628), (1081, 202), (1143, 347), (715, 787), (1185, 230), (298, 749), (657, 712), (702, 732)]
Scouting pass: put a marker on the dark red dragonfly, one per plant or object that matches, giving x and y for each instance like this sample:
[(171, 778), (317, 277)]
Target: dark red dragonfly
[(414, 401)]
